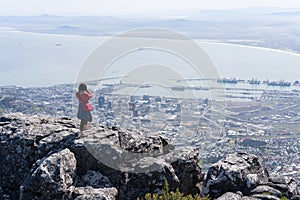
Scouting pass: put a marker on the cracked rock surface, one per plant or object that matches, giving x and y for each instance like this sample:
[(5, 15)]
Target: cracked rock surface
[(44, 158)]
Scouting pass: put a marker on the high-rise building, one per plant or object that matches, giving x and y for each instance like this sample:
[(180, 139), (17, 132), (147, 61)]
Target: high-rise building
[(135, 113), (158, 99), (101, 101), (178, 107), (109, 105), (146, 97), (158, 106), (206, 101)]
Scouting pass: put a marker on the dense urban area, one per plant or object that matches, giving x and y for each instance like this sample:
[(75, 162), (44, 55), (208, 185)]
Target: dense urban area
[(266, 125)]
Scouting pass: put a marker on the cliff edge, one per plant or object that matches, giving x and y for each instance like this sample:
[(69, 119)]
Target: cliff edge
[(44, 158)]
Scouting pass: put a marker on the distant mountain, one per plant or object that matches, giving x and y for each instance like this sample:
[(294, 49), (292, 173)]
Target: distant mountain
[(67, 27), (296, 13), (236, 26)]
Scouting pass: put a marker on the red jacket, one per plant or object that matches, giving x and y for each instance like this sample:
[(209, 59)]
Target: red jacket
[(83, 97)]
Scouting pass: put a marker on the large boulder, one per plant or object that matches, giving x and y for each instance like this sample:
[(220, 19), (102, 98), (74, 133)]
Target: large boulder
[(185, 163), (154, 173), (287, 186), (24, 140), (122, 149), (235, 172), (127, 157), (94, 185), (17, 151), (178, 169), (50, 177), (243, 173), (111, 161)]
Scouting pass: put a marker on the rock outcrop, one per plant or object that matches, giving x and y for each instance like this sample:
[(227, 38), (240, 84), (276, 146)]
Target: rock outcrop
[(243, 176), (44, 158), (235, 172), (50, 177)]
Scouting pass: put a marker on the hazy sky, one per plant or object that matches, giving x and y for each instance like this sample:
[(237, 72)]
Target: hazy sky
[(130, 7)]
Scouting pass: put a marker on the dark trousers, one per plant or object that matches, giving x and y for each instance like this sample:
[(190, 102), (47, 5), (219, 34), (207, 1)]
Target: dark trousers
[(82, 124)]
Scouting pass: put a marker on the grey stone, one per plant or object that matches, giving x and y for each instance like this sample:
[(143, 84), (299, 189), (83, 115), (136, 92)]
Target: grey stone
[(94, 179), (232, 174), (20, 136), (295, 197), (153, 180), (87, 193), (287, 186), (51, 177), (252, 180), (281, 187), (130, 157), (185, 163), (266, 197), (59, 139), (249, 198), (230, 196), (292, 187), (266, 189), (278, 179)]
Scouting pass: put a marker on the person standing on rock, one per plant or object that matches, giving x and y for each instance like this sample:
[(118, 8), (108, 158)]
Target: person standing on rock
[(84, 108)]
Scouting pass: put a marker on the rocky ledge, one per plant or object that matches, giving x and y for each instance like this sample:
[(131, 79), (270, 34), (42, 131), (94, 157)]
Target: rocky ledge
[(44, 158)]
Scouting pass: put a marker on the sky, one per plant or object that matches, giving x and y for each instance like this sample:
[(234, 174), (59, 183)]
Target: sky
[(130, 7)]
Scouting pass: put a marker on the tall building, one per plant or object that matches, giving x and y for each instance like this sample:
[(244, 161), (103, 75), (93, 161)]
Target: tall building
[(178, 107), (206, 101), (101, 101), (135, 113), (158, 106), (146, 97), (109, 105), (132, 98), (158, 99)]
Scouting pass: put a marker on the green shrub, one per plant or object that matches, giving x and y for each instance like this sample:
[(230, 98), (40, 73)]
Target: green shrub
[(284, 198), (201, 162), (266, 193), (171, 195)]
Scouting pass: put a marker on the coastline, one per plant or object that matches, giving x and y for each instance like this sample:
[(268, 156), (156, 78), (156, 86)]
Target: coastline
[(203, 41), (264, 60), (254, 47)]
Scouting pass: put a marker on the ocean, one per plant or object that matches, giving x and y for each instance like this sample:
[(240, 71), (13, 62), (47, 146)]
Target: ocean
[(33, 60)]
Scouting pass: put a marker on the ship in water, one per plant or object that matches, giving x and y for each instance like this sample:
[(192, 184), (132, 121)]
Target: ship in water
[(254, 82), (280, 83), (227, 80)]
